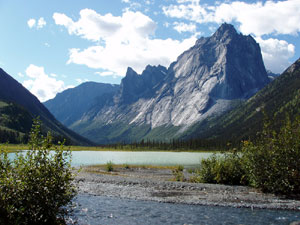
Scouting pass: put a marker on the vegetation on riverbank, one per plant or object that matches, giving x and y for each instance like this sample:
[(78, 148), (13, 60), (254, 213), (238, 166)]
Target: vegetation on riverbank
[(272, 163), (36, 188)]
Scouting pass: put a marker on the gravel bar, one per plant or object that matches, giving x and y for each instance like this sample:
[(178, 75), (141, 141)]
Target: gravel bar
[(154, 185)]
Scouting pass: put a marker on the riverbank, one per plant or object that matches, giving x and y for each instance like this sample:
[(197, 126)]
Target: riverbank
[(154, 184)]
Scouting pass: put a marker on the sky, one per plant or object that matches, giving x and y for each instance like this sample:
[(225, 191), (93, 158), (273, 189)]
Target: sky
[(49, 46)]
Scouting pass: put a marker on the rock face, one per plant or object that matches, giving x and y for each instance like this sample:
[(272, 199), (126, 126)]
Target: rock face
[(205, 80), (277, 100)]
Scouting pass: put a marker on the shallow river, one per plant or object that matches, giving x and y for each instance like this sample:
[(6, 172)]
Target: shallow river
[(95, 210)]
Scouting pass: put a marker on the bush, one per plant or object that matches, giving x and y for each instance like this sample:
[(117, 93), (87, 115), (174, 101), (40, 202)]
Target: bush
[(225, 169), (36, 187), (273, 163), (178, 173), (126, 166), (109, 166)]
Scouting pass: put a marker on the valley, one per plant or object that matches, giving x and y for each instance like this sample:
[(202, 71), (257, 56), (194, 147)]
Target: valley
[(213, 128)]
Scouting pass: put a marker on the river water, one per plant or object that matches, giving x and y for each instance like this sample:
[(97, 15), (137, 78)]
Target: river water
[(95, 210)]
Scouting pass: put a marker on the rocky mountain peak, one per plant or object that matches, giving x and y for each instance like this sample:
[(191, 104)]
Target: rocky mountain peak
[(134, 86), (225, 31), (130, 72), (205, 81)]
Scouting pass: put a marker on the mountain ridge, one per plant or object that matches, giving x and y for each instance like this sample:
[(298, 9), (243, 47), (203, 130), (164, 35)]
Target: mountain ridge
[(70, 105), (12, 92), (279, 98), (205, 80)]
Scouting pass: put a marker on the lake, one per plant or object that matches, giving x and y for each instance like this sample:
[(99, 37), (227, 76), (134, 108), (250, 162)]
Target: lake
[(138, 158), (187, 159)]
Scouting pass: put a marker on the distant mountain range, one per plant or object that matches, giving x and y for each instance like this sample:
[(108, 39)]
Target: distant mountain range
[(18, 107), (70, 105), (206, 81)]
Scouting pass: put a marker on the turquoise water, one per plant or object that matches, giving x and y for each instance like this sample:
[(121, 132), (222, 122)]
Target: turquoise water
[(188, 159), (138, 158)]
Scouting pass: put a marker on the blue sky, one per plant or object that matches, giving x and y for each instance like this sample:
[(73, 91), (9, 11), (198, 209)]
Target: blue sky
[(49, 46)]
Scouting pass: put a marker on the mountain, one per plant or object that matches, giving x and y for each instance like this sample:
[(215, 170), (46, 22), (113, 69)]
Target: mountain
[(278, 99), (162, 103), (70, 105), (14, 95), (272, 75), (15, 122)]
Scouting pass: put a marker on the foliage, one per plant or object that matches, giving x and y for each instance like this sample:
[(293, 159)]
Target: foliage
[(178, 173), (36, 187), (109, 166), (225, 169), (126, 166), (273, 163)]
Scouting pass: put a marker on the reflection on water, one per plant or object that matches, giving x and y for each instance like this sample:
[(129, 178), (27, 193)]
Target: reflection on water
[(106, 210)]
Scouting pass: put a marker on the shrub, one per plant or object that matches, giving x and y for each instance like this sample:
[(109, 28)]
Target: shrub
[(126, 166), (273, 163), (178, 173), (225, 169), (109, 166), (36, 187)]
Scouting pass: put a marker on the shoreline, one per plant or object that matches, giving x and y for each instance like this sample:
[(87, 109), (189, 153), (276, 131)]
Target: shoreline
[(153, 184)]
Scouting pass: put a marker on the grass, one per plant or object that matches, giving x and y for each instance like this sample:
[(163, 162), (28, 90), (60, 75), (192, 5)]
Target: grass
[(122, 166), (16, 147), (13, 147), (128, 149)]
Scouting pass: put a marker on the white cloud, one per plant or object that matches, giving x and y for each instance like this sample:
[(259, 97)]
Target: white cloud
[(258, 19), (276, 53), (20, 75), (126, 40), (184, 27), (278, 17), (38, 24), (31, 23), (41, 23), (41, 85), (105, 73), (79, 80)]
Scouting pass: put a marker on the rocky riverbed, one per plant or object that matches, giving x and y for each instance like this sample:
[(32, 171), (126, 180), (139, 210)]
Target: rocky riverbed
[(155, 184)]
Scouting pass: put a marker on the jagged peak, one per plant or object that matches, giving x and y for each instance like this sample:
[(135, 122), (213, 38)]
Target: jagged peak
[(225, 31), (130, 72), (150, 68)]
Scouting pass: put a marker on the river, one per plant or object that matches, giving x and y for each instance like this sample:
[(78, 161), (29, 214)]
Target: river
[(95, 210)]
